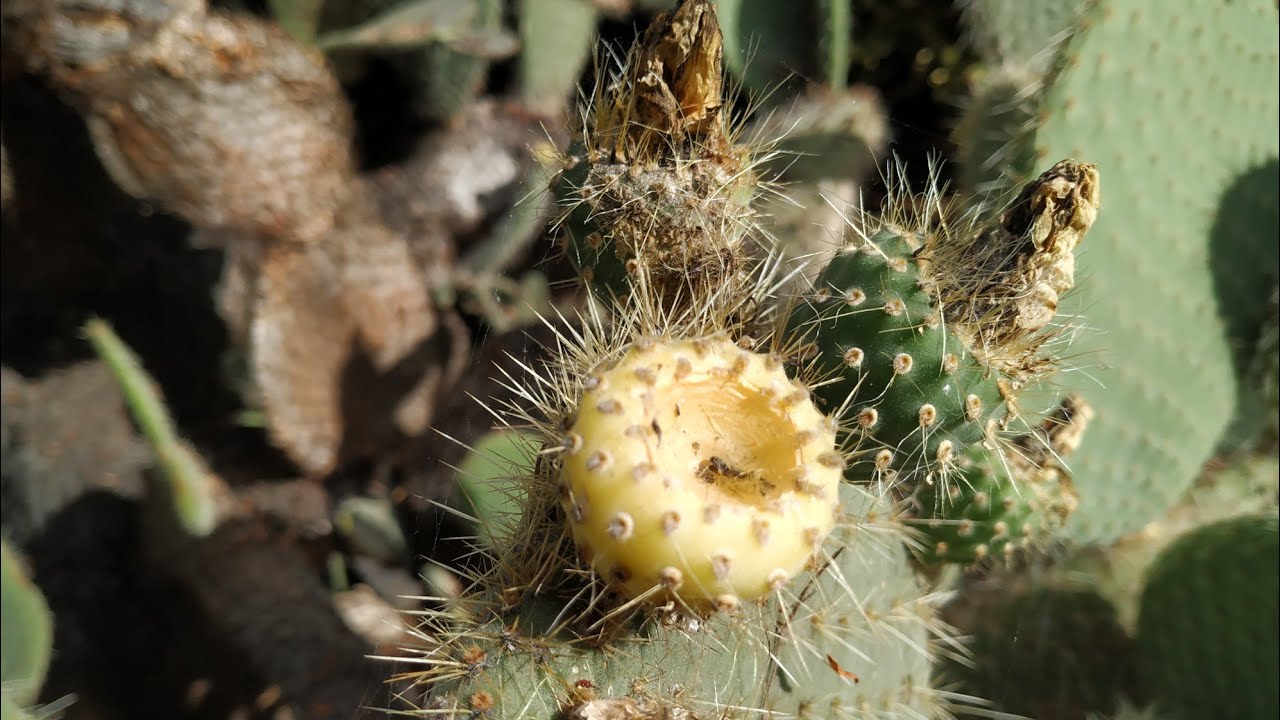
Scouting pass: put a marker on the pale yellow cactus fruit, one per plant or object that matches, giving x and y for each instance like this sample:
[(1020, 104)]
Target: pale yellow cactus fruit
[(698, 470)]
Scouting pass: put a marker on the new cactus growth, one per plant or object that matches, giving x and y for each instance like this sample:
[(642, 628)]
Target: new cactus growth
[(700, 469), (929, 332), (998, 503), (915, 395)]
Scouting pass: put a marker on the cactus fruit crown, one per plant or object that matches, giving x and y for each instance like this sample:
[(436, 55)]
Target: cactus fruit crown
[(658, 178)]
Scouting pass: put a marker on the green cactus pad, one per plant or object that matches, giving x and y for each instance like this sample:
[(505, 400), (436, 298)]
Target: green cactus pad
[(995, 148), (907, 384), (451, 78), (1021, 33), (686, 221), (1207, 627), (1042, 651), (485, 487), (767, 44), (27, 631), (856, 639), (555, 38), (1173, 102), (986, 510)]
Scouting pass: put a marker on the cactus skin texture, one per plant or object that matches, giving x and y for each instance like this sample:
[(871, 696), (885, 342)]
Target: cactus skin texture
[(1207, 630), (663, 497), (1000, 502), (928, 331), (856, 642), (916, 396), (1141, 78)]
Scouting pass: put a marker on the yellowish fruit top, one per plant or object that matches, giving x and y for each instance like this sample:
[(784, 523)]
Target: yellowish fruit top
[(698, 469)]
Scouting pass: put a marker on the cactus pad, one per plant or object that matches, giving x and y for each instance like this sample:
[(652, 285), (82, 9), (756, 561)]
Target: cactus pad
[(992, 507), (1138, 82), (1207, 630), (916, 396)]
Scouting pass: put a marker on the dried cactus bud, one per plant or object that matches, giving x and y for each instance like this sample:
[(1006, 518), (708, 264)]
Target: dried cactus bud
[(223, 119), (699, 469), (658, 193)]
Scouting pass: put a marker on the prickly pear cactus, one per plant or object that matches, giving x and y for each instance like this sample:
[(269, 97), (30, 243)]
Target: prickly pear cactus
[(852, 639), (916, 394), (1021, 45), (684, 541), (1207, 629), (999, 503), (1132, 88), (929, 332), (657, 192)]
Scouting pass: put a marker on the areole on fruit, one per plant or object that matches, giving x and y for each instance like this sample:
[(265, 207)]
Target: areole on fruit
[(699, 470)]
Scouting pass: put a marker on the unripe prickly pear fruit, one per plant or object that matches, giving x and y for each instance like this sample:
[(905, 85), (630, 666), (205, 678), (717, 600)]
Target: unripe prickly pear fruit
[(699, 468)]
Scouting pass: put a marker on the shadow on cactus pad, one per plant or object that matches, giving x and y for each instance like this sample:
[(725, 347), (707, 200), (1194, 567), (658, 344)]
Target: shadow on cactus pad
[(1052, 653)]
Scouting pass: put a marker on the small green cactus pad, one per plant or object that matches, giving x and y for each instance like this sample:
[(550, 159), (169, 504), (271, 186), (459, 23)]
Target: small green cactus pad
[(27, 636), (700, 469), (1142, 79), (915, 396), (686, 223), (1207, 627), (658, 192), (991, 506), (766, 44), (825, 135), (451, 78), (486, 486)]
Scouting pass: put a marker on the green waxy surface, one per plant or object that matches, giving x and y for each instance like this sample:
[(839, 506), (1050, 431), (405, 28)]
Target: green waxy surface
[(1174, 101), (865, 615), (1209, 622), (27, 636), (867, 314), (983, 510)]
